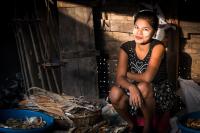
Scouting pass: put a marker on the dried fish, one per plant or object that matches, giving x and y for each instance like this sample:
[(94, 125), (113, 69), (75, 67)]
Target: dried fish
[(95, 128), (27, 123), (69, 115), (120, 129), (74, 110), (193, 123)]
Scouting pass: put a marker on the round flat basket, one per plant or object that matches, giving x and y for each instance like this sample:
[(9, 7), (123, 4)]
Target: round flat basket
[(15, 114), (184, 122), (88, 119)]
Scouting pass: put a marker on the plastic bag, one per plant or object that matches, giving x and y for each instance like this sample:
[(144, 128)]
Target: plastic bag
[(191, 94)]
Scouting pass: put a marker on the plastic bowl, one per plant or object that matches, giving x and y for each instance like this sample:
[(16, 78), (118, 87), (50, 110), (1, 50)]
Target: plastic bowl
[(182, 120), (5, 114)]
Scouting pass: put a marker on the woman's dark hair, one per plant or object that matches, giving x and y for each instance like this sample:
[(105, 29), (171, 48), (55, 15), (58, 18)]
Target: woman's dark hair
[(148, 15)]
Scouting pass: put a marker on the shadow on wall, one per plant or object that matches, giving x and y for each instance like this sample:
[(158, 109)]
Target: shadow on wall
[(77, 38), (185, 60)]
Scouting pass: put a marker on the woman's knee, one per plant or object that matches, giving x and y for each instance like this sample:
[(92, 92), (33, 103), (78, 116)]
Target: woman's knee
[(145, 89), (115, 95)]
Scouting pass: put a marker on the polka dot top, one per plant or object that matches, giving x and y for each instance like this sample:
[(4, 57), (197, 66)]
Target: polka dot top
[(139, 66)]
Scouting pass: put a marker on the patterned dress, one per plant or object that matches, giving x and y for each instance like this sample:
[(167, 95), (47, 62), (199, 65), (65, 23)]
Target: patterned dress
[(164, 91)]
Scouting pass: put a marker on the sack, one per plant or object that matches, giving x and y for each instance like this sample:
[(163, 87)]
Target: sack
[(191, 94)]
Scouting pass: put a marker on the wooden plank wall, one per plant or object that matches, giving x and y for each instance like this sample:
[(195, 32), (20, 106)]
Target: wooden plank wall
[(191, 48), (117, 29), (79, 76)]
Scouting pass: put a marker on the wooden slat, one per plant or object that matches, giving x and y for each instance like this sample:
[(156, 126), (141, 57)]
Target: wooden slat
[(117, 36), (116, 16), (195, 63), (79, 77), (189, 27), (63, 4), (117, 25), (78, 54), (193, 44)]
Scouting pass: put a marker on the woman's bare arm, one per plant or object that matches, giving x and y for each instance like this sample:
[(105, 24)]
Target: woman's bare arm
[(153, 66), (121, 75), (122, 80)]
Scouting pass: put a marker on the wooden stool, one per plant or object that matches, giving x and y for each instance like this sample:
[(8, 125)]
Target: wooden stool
[(160, 122)]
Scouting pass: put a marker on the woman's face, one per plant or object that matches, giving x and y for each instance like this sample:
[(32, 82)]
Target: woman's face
[(142, 31)]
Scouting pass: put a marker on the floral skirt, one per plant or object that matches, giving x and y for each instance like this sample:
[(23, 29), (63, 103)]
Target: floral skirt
[(165, 98)]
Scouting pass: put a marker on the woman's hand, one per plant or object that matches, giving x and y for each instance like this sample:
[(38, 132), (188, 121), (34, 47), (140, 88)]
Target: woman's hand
[(129, 75), (135, 97)]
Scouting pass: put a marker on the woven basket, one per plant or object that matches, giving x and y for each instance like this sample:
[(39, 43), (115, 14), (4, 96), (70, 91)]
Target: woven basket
[(87, 120)]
